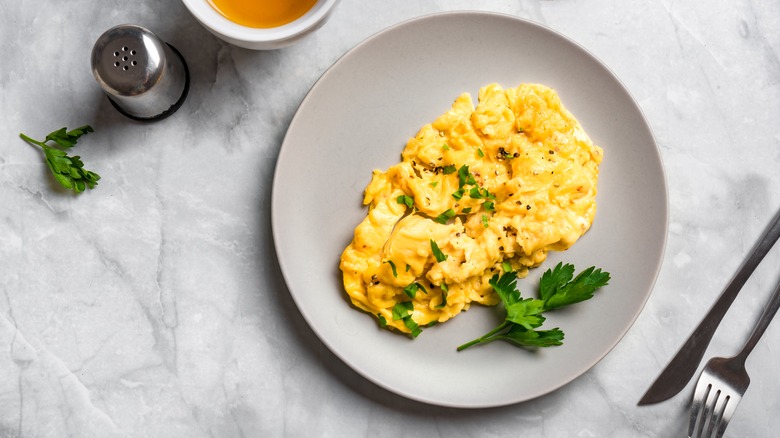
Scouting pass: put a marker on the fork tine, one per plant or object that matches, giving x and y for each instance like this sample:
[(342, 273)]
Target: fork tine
[(718, 422), (708, 419), (711, 411), (727, 412), (698, 413)]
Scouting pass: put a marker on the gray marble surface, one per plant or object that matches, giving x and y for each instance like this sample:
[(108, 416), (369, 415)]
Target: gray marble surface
[(153, 306)]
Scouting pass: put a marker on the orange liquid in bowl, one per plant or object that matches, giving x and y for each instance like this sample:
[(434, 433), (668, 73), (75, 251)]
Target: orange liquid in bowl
[(262, 13)]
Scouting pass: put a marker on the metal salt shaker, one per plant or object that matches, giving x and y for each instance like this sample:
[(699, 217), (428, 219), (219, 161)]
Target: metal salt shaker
[(144, 78)]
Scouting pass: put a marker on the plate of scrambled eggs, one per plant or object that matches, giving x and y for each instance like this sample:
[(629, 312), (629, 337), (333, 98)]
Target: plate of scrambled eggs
[(440, 152)]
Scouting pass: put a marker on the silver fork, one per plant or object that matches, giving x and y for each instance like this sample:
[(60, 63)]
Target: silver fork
[(724, 381)]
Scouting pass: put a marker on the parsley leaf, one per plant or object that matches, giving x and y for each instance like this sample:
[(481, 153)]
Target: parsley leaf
[(403, 311), (68, 171), (405, 199), (67, 139), (411, 290), (506, 287), (413, 326), (555, 278), (458, 194), (392, 266), (526, 313), (440, 256), (557, 288), (577, 290), (444, 217), (476, 193), (465, 177), (449, 169), (443, 297), (532, 338)]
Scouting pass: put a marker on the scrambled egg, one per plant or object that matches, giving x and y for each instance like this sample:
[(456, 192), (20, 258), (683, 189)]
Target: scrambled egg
[(477, 191)]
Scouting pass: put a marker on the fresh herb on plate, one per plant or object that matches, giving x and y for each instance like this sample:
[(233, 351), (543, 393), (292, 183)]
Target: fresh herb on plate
[(465, 177), (404, 311), (444, 289), (440, 256), (406, 199), (449, 169), (446, 216), (557, 288), (392, 267), (68, 171), (411, 290)]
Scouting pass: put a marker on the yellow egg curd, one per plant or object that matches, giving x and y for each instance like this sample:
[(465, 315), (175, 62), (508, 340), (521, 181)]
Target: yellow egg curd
[(477, 191)]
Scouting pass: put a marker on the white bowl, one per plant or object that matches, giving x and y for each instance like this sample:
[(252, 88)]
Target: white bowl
[(255, 38)]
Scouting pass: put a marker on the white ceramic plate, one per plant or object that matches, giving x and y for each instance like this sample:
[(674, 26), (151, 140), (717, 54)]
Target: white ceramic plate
[(358, 117)]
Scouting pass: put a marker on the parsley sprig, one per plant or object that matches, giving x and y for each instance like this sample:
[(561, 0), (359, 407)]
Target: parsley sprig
[(68, 171), (557, 288)]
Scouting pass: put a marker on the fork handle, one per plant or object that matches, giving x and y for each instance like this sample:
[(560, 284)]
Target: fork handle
[(766, 317)]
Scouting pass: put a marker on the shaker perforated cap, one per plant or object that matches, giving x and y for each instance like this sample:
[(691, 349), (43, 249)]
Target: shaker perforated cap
[(144, 78)]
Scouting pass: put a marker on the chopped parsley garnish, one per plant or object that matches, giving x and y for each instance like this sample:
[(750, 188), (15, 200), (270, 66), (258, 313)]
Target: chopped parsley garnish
[(413, 326), (443, 296), (440, 256), (480, 193), (392, 266), (485, 221), (443, 299), (488, 205), (382, 320), (405, 199), (465, 177), (458, 194), (411, 290), (403, 311), (475, 193), (480, 153), (449, 169), (444, 217)]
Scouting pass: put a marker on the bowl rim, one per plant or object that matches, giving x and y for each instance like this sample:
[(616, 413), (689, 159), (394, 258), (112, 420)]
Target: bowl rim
[(216, 22)]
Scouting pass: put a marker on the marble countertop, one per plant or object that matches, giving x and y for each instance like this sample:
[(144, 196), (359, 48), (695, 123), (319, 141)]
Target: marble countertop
[(154, 306)]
